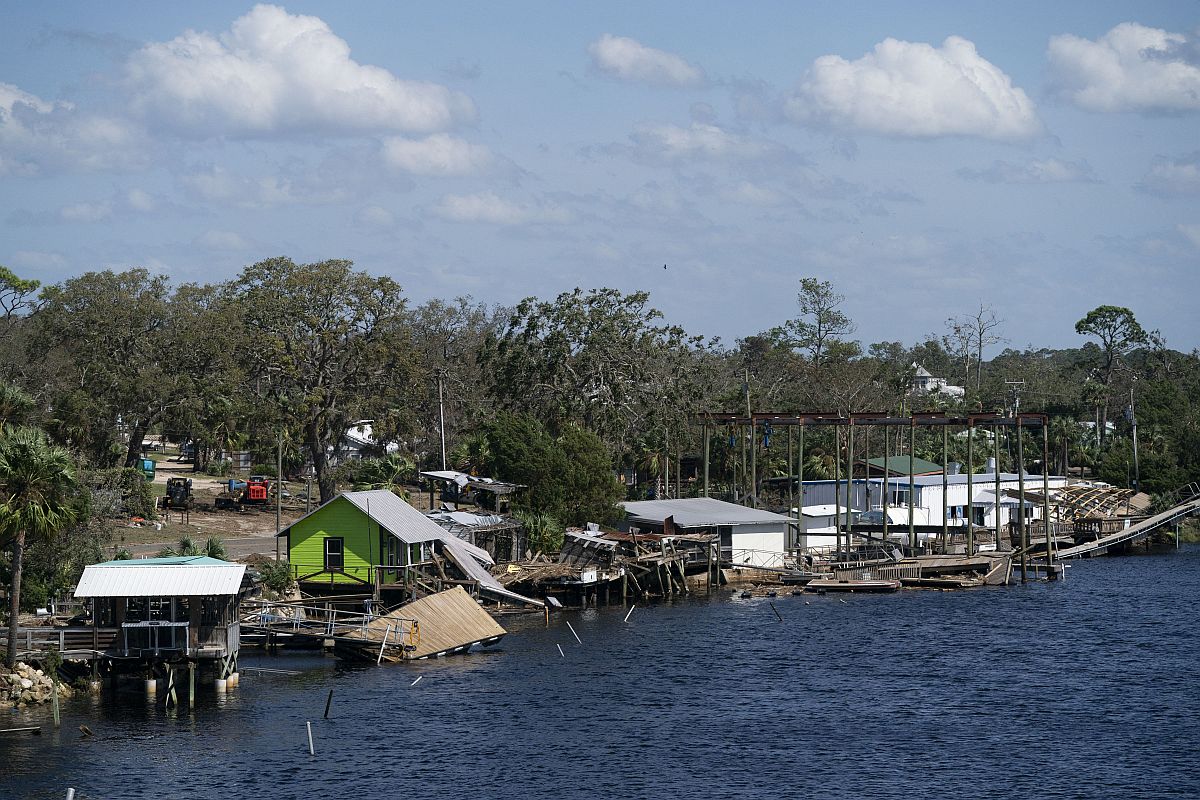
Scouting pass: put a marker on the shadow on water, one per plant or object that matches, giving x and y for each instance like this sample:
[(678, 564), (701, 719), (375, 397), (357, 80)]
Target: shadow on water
[(1078, 689)]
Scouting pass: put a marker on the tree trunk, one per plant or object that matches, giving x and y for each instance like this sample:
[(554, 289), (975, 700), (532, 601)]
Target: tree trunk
[(134, 454), (15, 604), (320, 466)]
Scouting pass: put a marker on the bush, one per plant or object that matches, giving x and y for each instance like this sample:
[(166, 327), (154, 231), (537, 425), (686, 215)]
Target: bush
[(137, 495), (276, 576), (542, 531), (265, 469), (219, 469)]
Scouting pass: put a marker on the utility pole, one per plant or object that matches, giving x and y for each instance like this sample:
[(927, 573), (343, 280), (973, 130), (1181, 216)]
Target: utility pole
[(441, 414), (1137, 476)]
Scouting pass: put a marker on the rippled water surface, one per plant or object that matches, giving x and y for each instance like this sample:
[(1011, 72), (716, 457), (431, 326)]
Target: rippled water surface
[(1082, 689)]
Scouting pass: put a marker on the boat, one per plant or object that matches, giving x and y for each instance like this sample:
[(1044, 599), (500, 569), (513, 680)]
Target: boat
[(865, 584)]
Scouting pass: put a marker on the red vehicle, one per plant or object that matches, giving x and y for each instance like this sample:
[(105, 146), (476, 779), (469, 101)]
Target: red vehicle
[(258, 490)]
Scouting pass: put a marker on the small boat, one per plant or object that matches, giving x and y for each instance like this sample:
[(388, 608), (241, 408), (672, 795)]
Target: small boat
[(872, 585), (797, 578)]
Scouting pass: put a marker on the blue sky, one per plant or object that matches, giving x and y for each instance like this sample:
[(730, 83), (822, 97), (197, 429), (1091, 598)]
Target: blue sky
[(1041, 159)]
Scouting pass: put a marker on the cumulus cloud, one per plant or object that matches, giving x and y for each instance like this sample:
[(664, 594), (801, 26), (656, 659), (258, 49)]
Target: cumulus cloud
[(38, 136), (752, 194), (1050, 170), (440, 154), (491, 208), (277, 73), (219, 185), (914, 89), (1169, 177), (1130, 68), (699, 141), (86, 212), (629, 60), (222, 240)]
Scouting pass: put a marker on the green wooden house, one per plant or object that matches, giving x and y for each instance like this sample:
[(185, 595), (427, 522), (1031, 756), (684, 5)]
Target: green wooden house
[(376, 542)]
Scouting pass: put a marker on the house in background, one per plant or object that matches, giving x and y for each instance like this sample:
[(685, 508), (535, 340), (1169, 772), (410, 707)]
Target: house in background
[(925, 383), (748, 536)]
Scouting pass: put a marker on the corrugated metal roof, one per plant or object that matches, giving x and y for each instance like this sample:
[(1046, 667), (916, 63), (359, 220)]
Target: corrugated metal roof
[(693, 512), (396, 516), (199, 577), (827, 510)]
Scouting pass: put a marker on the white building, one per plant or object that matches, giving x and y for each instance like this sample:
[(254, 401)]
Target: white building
[(981, 507), (924, 382), (748, 535)]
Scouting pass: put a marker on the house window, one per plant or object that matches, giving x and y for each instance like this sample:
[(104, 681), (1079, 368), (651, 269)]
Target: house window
[(335, 556), (899, 497)]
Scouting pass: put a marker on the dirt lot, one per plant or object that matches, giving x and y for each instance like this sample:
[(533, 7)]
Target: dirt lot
[(251, 530)]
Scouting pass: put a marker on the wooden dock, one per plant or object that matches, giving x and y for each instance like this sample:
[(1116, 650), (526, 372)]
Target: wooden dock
[(437, 625)]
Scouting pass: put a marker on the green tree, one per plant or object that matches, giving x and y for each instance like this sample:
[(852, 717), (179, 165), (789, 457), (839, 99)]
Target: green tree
[(325, 347), (36, 480), (821, 323), (599, 359), (116, 333), (1119, 332)]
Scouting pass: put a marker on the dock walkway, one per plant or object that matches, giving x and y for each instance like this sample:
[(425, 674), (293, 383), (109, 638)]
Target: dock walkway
[(1138, 531)]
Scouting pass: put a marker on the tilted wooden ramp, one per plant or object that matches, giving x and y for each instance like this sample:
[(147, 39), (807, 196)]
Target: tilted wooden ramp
[(1139, 531), (437, 625)]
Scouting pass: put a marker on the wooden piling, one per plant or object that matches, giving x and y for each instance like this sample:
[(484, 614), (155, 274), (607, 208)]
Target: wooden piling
[(328, 701)]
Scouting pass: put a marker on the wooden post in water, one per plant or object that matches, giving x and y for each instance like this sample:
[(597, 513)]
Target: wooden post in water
[(849, 484), (970, 486), (1046, 494), (328, 701), (945, 489), (191, 684), (996, 444), (887, 478), (837, 488), (1021, 499), (800, 489), (912, 489), (787, 544)]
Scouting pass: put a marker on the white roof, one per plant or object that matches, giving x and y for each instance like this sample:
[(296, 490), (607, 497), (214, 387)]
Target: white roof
[(693, 512), (827, 510), (134, 579)]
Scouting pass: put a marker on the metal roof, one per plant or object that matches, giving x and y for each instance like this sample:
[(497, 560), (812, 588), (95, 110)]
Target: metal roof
[(396, 516), (826, 510), (694, 512), (196, 576)]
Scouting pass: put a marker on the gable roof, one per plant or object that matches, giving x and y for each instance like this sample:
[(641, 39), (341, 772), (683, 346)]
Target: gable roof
[(899, 465), (389, 511), (182, 576), (693, 512)]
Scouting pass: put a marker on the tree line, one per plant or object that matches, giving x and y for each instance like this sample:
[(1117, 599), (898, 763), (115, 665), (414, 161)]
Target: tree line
[(561, 393)]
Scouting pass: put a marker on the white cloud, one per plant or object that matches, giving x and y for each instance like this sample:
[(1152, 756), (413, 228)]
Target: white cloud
[(1130, 68), (376, 217), (222, 240), (86, 212), (752, 194), (38, 259), (700, 141), (440, 154), (1050, 170), (219, 185), (629, 60), (914, 89), (1191, 233), (1173, 176), (489, 207), (140, 200), (37, 136), (277, 73)]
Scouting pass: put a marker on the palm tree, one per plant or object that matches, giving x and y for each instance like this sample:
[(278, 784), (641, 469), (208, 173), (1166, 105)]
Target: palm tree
[(16, 405), (36, 479)]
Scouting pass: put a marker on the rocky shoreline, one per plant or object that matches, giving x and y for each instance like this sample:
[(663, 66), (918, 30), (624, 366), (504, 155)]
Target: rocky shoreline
[(27, 686)]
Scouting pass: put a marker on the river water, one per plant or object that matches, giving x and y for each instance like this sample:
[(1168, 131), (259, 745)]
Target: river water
[(1087, 688)]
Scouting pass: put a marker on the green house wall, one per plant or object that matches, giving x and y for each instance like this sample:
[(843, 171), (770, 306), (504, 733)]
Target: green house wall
[(337, 518)]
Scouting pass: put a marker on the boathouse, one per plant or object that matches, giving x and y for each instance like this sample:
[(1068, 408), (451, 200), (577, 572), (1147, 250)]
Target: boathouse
[(748, 535), (375, 543), (154, 613)]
